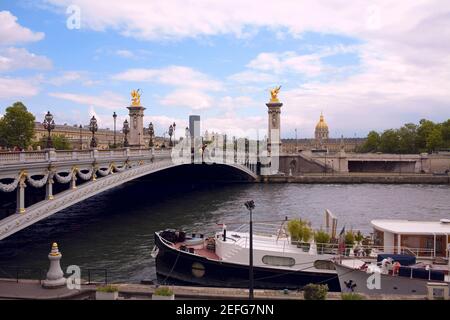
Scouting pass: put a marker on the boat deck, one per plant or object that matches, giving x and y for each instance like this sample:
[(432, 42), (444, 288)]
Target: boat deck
[(199, 250)]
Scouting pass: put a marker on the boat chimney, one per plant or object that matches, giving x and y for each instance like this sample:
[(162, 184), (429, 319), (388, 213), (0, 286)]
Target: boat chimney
[(224, 233)]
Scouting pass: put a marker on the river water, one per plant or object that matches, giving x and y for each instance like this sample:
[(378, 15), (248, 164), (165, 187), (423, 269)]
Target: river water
[(114, 230)]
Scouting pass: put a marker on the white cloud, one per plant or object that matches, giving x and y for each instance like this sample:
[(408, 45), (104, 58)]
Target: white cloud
[(308, 64), (196, 100), (19, 58), (82, 77), (11, 32), (66, 77), (234, 125), (125, 54), (178, 76), (249, 76), (106, 100), (17, 88)]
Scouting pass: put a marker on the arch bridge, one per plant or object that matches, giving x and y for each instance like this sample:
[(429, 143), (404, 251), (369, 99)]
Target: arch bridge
[(100, 170)]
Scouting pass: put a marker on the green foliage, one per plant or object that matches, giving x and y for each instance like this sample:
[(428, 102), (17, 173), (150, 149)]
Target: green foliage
[(299, 230), (17, 126), (352, 296), (107, 289), (435, 139), (349, 238), (411, 138), (321, 237), (315, 291), (60, 142), (372, 143), (163, 291), (389, 141), (359, 236)]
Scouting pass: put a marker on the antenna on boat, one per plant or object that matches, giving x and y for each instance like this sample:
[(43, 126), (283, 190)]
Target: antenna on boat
[(250, 205)]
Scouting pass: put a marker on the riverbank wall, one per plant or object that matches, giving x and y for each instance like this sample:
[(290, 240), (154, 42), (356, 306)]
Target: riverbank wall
[(336, 178), (33, 290)]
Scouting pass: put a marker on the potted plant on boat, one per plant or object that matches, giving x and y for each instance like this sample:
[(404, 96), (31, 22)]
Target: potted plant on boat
[(107, 293), (322, 238), (349, 242), (163, 293), (300, 233)]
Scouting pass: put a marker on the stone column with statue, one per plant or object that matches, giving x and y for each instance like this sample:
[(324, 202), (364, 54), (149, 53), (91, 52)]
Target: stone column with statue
[(136, 112), (274, 111)]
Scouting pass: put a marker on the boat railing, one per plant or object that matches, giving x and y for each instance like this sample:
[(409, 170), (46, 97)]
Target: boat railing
[(365, 250), (264, 229)]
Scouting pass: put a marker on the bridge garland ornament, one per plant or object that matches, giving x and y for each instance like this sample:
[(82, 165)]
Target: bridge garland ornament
[(64, 179), (85, 176), (38, 183)]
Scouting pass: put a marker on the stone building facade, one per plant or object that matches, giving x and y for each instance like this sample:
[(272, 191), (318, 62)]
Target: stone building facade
[(322, 141)]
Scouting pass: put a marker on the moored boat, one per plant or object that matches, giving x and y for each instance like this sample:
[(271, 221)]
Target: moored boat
[(223, 260), (414, 256)]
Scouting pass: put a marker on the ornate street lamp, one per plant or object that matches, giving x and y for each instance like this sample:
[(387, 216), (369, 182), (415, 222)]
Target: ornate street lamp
[(115, 117), (49, 125), (151, 132), (250, 205), (81, 137), (93, 127), (170, 135), (125, 130), (174, 126)]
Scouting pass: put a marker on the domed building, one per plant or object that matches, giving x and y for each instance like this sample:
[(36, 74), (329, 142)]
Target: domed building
[(321, 133)]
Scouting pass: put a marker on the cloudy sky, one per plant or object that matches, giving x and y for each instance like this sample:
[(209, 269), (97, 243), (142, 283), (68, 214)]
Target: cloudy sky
[(366, 66)]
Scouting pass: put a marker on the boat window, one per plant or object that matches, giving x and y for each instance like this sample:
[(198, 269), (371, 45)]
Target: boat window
[(324, 265), (278, 261)]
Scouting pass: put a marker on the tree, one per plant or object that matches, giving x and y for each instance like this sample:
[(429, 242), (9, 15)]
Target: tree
[(60, 142), (389, 141), (434, 139), (372, 143), (17, 126), (408, 139), (423, 131), (446, 133)]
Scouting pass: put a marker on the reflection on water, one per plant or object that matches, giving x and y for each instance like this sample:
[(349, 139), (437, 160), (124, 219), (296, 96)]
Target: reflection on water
[(114, 230)]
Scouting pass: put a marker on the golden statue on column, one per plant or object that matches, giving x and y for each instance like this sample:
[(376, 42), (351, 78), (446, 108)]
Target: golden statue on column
[(136, 98), (274, 94)]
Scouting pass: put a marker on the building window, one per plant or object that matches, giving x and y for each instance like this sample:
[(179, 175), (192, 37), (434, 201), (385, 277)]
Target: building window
[(324, 265), (278, 261)]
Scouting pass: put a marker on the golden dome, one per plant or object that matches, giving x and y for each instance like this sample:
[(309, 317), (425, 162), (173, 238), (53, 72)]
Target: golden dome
[(321, 124)]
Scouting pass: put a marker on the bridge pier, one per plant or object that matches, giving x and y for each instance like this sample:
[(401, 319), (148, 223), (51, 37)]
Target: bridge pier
[(49, 188), (21, 194)]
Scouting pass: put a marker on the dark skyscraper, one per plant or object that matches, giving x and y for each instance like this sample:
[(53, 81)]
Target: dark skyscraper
[(194, 126)]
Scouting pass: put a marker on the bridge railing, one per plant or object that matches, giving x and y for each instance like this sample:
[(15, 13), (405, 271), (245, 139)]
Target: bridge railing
[(62, 155)]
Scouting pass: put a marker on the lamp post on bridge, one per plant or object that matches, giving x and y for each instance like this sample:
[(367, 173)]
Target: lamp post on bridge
[(125, 130), (81, 137), (151, 132), (250, 205), (170, 135), (296, 141), (115, 117), (174, 127), (49, 125), (93, 127)]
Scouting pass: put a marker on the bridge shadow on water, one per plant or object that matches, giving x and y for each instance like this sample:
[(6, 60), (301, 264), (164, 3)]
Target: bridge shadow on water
[(99, 230)]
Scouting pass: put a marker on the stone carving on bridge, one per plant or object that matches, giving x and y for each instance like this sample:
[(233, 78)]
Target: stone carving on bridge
[(38, 183), (11, 186), (136, 98)]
